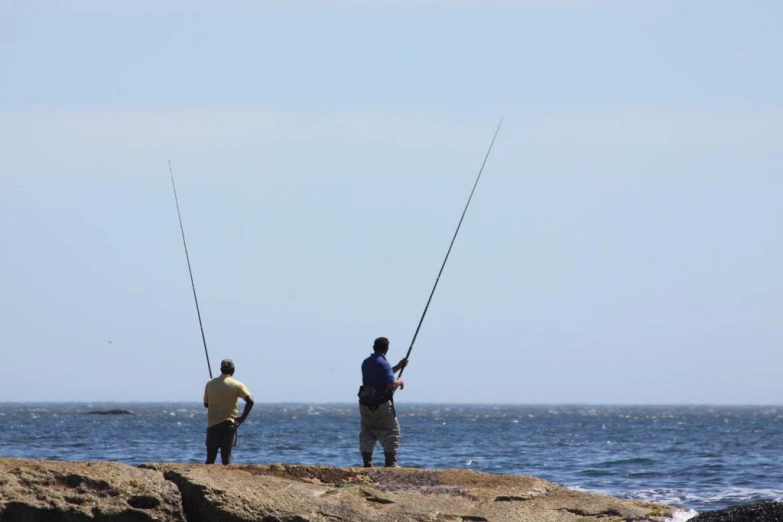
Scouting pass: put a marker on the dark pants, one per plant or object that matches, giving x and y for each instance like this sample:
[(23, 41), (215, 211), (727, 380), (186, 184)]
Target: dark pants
[(223, 437)]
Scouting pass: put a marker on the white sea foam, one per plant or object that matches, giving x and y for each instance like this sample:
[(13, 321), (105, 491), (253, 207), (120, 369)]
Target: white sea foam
[(682, 516), (679, 497), (728, 496)]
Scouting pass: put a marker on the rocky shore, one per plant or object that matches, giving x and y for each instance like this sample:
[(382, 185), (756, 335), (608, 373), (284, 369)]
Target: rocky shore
[(56, 491), (33, 490)]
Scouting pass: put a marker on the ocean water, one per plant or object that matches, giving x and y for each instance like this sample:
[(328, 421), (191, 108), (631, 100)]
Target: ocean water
[(696, 457)]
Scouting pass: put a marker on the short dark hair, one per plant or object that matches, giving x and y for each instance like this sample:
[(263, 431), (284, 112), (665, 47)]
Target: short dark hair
[(227, 366), (380, 344)]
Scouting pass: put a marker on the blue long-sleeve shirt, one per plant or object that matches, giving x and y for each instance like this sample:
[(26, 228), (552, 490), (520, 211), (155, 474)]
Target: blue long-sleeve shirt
[(377, 372)]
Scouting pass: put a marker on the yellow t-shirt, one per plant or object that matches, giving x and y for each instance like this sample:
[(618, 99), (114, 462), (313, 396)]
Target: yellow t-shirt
[(221, 394)]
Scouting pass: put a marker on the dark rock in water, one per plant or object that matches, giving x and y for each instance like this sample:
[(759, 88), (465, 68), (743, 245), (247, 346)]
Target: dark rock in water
[(769, 511), (110, 412)]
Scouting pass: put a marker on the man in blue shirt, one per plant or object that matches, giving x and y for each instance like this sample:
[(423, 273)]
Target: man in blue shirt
[(379, 420)]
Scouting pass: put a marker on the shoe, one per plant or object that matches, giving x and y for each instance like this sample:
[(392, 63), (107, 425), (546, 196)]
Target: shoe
[(367, 458), (391, 460)]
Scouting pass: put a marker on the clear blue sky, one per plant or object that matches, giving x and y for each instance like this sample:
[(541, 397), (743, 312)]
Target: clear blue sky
[(624, 245)]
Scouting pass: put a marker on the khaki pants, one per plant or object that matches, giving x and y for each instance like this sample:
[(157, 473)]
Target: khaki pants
[(379, 425)]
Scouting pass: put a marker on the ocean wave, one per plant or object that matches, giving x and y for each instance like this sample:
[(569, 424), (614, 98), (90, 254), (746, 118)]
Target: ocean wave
[(720, 498), (634, 461)]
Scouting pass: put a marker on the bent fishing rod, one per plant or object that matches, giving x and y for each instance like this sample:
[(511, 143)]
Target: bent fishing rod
[(475, 184), (190, 271)]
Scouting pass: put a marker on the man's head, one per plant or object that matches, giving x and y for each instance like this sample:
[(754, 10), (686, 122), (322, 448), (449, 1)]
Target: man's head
[(227, 367), (381, 345)]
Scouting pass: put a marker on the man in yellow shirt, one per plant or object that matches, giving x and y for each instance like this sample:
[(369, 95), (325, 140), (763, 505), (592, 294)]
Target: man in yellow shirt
[(220, 399)]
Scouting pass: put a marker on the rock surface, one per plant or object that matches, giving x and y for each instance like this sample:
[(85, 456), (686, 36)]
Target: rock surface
[(110, 412), (760, 512), (105, 491), (40, 490)]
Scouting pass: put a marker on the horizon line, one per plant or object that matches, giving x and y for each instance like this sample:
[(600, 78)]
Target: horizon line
[(414, 403)]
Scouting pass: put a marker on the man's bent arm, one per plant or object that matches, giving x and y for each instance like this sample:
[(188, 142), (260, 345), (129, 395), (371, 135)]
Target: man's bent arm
[(248, 406), (400, 365)]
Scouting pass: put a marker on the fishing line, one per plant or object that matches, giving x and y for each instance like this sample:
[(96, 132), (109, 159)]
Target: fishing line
[(475, 184), (190, 271)]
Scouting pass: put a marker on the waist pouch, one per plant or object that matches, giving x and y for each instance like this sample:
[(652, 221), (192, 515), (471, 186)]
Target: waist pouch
[(372, 396)]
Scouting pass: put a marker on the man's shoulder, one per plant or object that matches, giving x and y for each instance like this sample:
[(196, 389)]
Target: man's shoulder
[(376, 360), (224, 380), (236, 383)]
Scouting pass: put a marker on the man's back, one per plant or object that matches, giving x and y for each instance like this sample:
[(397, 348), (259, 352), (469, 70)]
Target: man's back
[(377, 372), (221, 394)]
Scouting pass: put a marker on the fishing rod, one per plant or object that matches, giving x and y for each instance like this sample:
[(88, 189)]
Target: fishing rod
[(486, 157), (190, 271)]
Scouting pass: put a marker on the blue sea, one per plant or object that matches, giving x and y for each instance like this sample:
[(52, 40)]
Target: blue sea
[(697, 457)]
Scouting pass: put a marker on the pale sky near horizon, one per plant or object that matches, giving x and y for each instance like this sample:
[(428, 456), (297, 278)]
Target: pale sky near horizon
[(624, 245)]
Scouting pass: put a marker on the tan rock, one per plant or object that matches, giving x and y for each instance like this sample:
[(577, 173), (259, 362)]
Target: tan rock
[(52, 490), (316, 493), (73, 491)]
